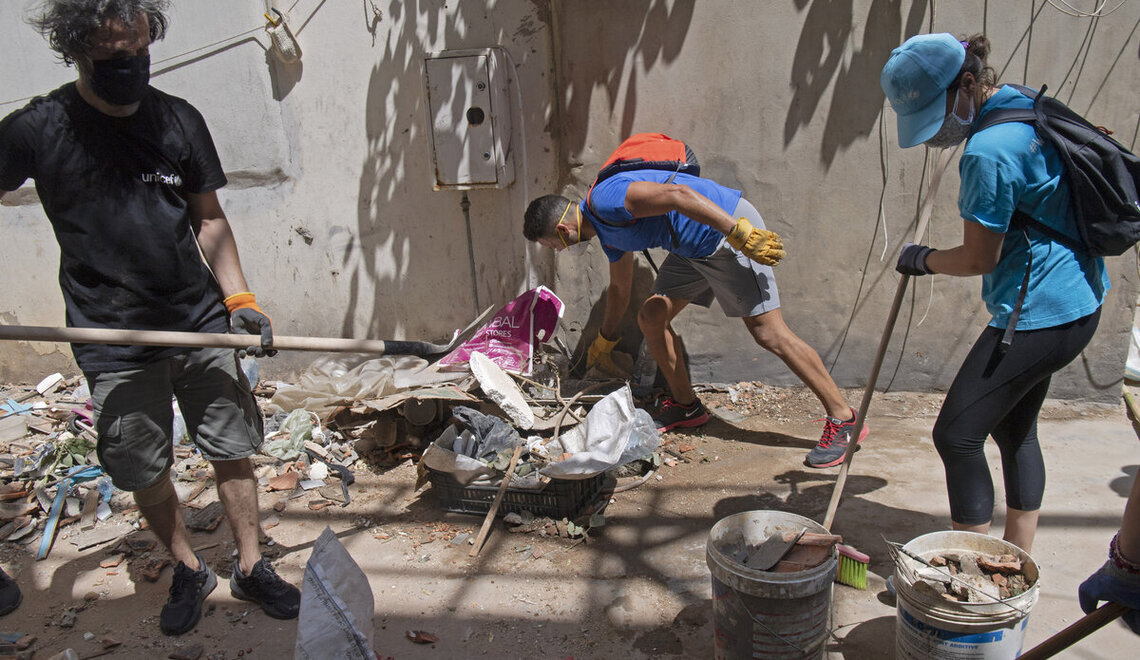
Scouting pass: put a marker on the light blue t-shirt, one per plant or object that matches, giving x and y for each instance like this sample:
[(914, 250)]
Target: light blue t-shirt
[(1007, 167), (693, 238)]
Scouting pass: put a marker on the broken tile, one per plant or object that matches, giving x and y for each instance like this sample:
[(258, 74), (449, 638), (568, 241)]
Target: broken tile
[(100, 535), (334, 493), (501, 388), (287, 481), (150, 568), (205, 519), (192, 652), (13, 510)]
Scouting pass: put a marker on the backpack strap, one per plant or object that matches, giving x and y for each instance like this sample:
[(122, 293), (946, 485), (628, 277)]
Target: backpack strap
[(1015, 315), (610, 223), (1020, 219), (1027, 116)]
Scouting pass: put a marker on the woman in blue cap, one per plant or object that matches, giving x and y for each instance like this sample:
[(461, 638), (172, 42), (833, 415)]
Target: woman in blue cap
[(939, 87)]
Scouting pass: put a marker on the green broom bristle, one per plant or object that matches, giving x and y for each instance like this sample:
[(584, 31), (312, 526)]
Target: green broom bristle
[(852, 567)]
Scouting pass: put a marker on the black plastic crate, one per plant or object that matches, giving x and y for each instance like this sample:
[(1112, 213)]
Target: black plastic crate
[(559, 498)]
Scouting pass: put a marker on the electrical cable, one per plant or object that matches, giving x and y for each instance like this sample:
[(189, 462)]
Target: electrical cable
[(183, 54), (531, 279), (1066, 8)]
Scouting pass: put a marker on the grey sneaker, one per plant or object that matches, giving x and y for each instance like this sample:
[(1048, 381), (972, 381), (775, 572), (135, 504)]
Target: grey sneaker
[(187, 591), (263, 586), (832, 445)]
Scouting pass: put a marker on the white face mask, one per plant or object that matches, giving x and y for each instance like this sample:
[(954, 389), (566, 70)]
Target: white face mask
[(577, 249), (954, 128)]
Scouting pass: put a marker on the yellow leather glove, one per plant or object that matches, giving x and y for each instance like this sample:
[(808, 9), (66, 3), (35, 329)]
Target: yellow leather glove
[(759, 245), (600, 354)]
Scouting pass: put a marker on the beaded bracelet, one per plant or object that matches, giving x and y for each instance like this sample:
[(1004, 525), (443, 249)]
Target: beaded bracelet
[(1119, 560)]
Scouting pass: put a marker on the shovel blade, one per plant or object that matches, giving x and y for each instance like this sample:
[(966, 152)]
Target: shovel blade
[(768, 554)]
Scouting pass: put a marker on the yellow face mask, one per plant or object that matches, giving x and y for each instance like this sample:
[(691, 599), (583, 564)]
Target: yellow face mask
[(578, 247)]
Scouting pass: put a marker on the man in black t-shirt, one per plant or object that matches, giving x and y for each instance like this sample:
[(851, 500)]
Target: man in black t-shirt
[(128, 176)]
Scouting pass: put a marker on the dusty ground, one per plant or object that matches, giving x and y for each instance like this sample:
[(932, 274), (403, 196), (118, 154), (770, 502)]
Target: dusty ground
[(640, 587)]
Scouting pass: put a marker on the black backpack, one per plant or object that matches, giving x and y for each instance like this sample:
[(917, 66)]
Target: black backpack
[(1103, 180), (1103, 176)]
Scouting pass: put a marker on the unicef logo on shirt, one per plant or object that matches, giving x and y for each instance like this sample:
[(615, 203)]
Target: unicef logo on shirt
[(162, 179)]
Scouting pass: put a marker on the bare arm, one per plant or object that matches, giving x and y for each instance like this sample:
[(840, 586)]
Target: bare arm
[(617, 294), (217, 242), (977, 255), (645, 198)]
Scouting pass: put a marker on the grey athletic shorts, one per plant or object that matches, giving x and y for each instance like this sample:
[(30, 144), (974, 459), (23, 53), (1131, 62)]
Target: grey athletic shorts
[(135, 419), (741, 286)]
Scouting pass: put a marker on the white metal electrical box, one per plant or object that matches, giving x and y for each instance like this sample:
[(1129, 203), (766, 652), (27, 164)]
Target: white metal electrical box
[(469, 117)]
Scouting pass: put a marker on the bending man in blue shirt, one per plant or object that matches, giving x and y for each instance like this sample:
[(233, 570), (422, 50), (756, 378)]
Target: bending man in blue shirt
[(718, 248)]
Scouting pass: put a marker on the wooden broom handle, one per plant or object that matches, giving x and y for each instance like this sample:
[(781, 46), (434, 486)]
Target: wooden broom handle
[(1081, 628), (213, 340)]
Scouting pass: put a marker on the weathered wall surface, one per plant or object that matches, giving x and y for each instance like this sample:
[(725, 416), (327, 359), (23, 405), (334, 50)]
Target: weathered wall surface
[(782, 100), (342, 235)]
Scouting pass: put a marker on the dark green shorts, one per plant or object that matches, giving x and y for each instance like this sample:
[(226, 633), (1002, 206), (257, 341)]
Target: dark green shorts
[(134, 416)]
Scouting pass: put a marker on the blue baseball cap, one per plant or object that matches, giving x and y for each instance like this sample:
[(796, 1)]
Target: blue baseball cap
[(915, 80)]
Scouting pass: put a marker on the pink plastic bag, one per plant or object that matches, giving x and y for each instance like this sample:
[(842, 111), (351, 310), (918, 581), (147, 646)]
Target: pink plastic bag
[(509, 338)]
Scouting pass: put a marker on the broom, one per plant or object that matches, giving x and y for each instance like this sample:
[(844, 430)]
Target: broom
[(852, 563)]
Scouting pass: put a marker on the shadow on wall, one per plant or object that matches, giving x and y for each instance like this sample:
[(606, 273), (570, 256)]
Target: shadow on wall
[(856, 101), (654, 31), (410, 240)]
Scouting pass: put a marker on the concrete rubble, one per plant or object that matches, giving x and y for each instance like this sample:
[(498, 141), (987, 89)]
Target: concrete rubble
[(330, 462), (308, 462)]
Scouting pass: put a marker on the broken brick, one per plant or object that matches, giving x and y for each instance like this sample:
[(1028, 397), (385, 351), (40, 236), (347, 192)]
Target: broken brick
[(1005, 564), (286, 481), (421, 637)]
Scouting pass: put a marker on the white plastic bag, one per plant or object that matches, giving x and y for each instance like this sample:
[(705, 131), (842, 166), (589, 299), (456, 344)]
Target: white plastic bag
[(614, 434)]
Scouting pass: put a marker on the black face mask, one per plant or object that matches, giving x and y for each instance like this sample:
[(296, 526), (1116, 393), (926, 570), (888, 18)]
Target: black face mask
[(122, 80)]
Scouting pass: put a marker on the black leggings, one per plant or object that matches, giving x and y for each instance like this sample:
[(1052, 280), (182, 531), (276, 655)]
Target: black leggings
[(1000, 395)]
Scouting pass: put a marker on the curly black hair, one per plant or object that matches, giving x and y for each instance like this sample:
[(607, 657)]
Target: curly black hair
[(68, 25)]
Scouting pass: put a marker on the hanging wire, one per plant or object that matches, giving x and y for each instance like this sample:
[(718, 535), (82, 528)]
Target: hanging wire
[(1066, 8), (181, 55), (885, 165)]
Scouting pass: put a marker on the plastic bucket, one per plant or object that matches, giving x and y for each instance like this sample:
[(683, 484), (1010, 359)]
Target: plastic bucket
[(927, 626), (760, 614)]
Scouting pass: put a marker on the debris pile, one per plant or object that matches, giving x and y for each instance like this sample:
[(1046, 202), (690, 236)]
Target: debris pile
[(970, 577)]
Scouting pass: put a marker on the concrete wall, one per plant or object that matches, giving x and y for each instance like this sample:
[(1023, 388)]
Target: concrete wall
[(342, 235)]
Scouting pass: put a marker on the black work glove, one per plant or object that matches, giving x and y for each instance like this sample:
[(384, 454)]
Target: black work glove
[(246, 317), (912, 260)]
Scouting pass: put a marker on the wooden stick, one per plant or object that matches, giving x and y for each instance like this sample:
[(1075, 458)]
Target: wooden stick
[(865, 405), (117, 336), (942, 161), (1081, 628), (495, 505)]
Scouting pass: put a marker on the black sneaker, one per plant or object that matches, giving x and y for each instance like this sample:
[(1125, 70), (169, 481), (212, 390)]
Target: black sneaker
[(10, 595), (832, 445), (671, 415), (263, 586), (188, 589)]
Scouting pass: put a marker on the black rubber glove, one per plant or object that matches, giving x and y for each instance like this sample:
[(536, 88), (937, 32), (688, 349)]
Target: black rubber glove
[(246, 317), (912, 260)]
